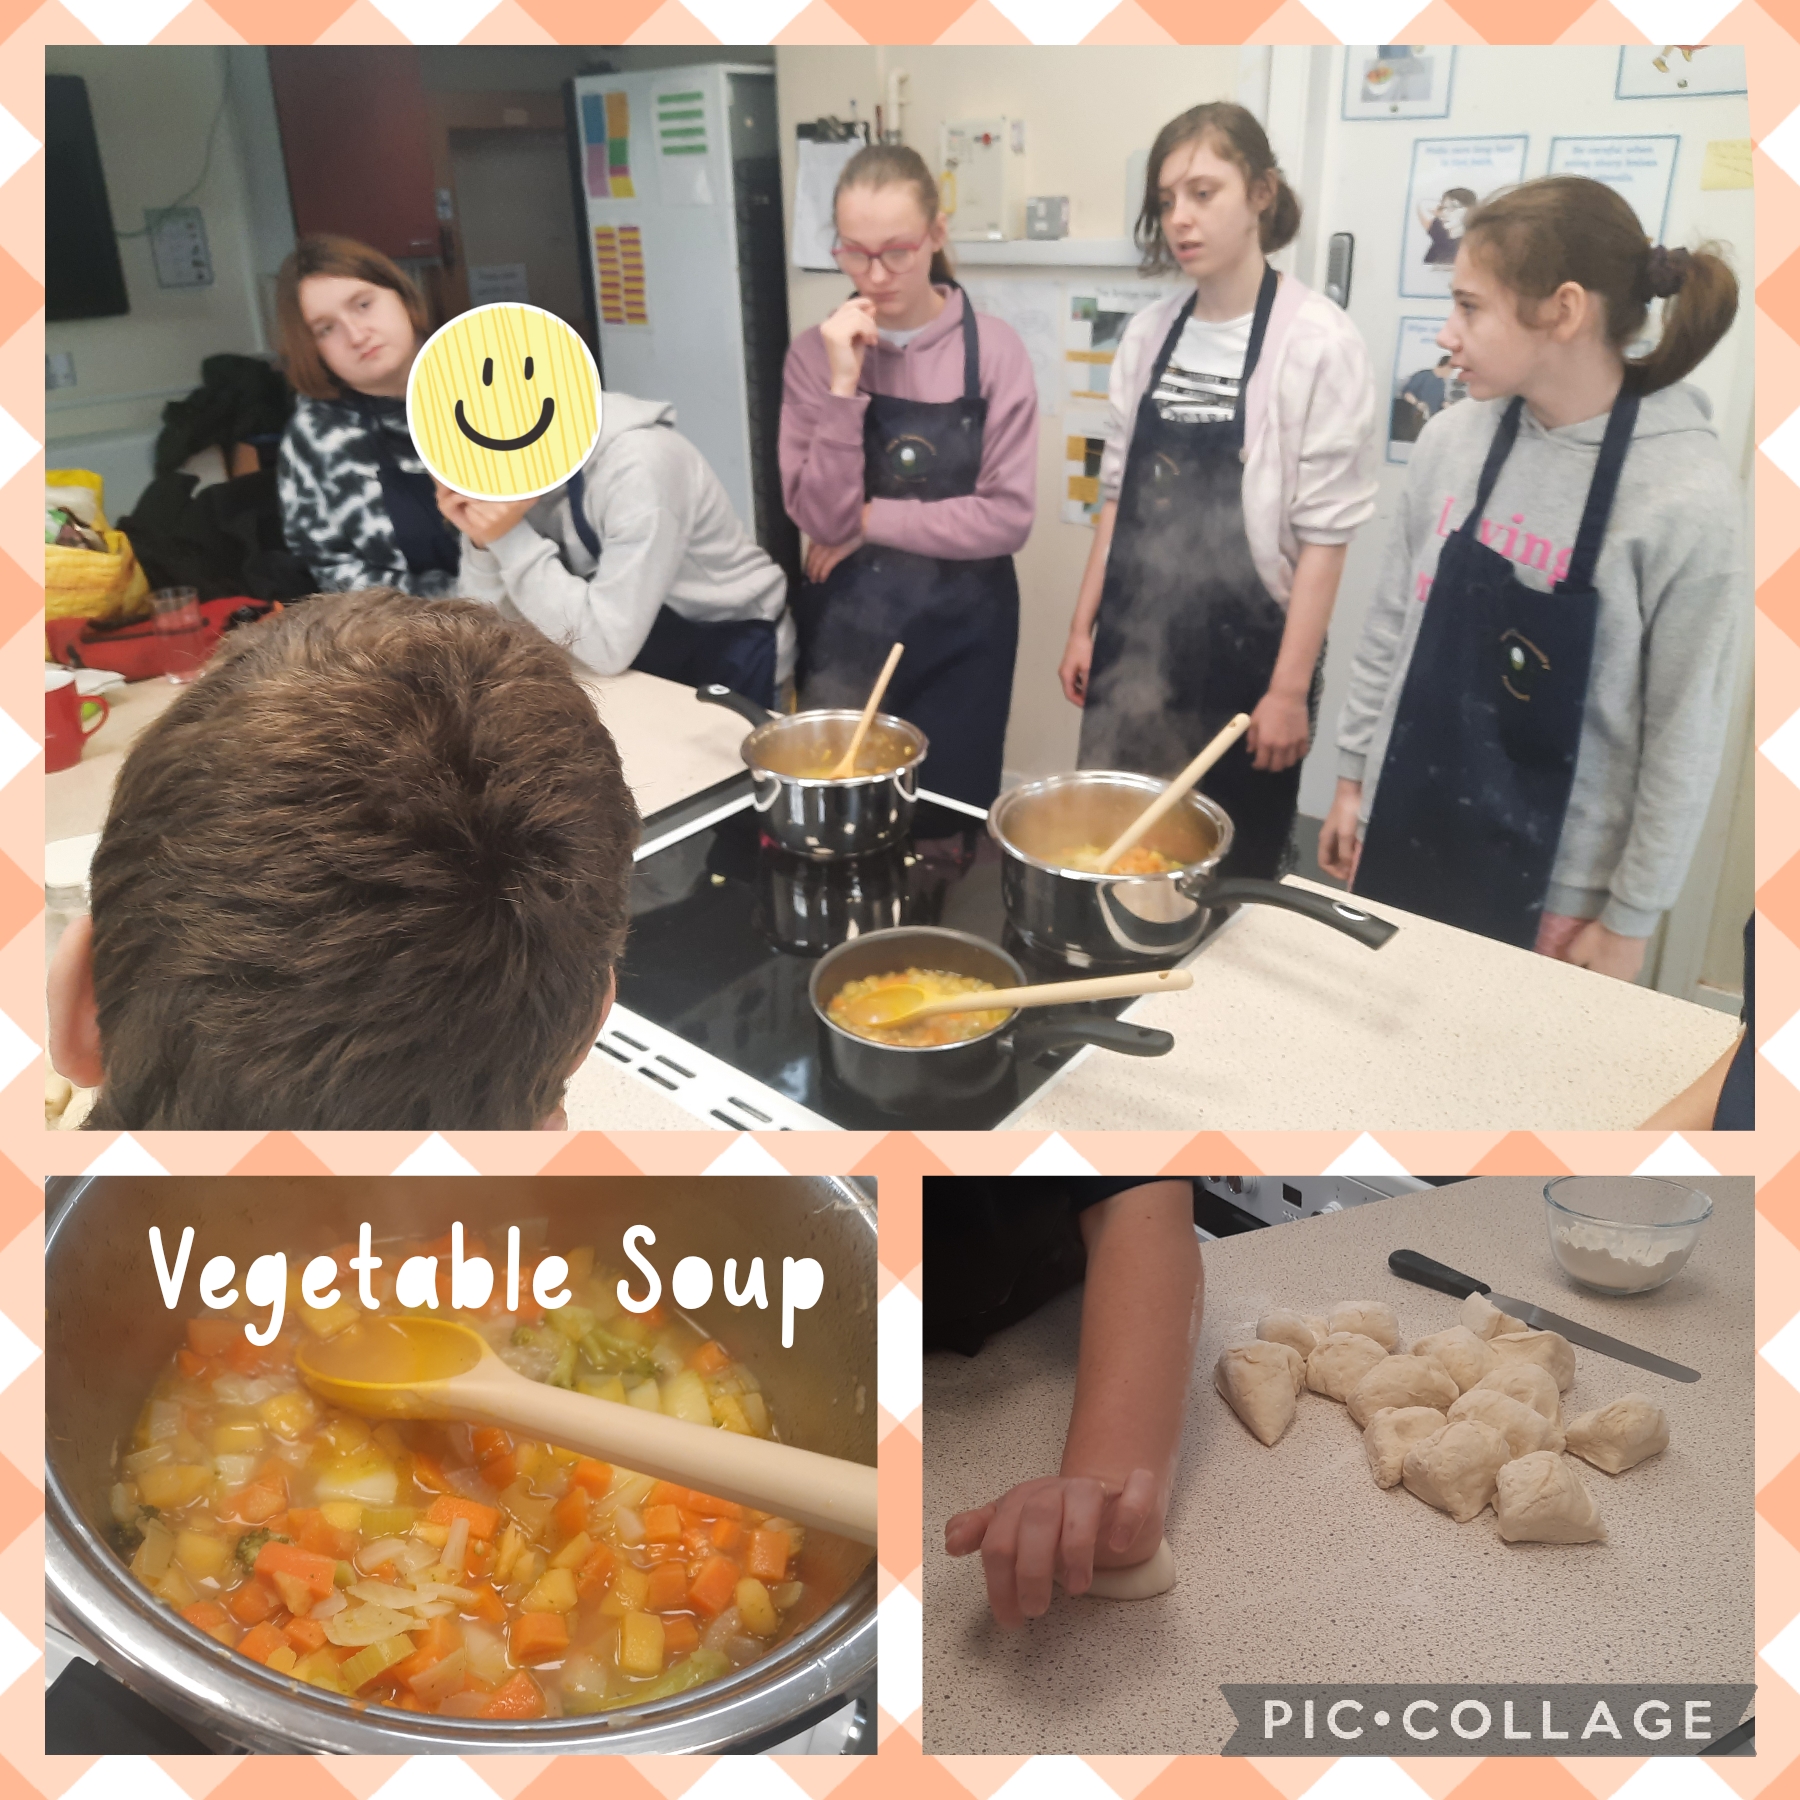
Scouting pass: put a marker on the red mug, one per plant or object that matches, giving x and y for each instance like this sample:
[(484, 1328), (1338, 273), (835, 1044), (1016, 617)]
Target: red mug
[(65, 731)]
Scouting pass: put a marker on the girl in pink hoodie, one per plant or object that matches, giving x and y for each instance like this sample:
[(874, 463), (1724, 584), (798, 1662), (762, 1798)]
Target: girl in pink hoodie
[(909, 458)]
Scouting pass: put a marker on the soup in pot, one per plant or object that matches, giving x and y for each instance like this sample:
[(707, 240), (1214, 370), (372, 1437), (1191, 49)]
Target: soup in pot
[(1138, 860), (934, 984)]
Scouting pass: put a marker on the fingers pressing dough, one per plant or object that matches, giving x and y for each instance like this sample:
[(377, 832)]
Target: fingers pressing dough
[(1621, 1434), (1541, 1500), (1401, 1381), (1138, 1581)]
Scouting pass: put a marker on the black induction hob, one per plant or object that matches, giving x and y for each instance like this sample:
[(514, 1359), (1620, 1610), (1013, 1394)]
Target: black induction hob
[(726, 930)]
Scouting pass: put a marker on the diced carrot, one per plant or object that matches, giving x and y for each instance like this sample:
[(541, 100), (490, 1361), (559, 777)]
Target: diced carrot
[(304, 1634), (595, 1575), (212, 1337), (500, 1472), (478, 1562), (680, 1635), (300, 1517), (205, 1614), (520, 1698), (428, 1472), (407, 1703), (317, 1573), (385, 1572), (662, 1524), (251, 1603), (188, 1363), (714, 1587), (669, 1493), (571, 1512), (727, 1534), (260, 1642), (767, 1557), (325, 1539), (660, 1553), (538, 1637), (446, 1509), (439, 1639), (489, 1441), (245, 1357), (257, 1503), (710, 1358), (655, 1316), (488, 1604), (697, 1541), (668, 1588), (593, 1475), (710, 1506)]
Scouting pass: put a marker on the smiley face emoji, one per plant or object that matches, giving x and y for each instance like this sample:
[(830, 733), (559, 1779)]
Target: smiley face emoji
[(504, 402)]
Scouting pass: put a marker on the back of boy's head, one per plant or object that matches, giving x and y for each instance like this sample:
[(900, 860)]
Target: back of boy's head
[(1538, 235), (370, 871)]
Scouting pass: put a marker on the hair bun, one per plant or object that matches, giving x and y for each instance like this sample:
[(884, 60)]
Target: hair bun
[(1666, 271)]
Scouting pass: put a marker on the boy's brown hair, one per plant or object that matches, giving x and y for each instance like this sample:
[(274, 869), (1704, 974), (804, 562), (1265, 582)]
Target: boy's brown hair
[(325, 255), (371, 871)]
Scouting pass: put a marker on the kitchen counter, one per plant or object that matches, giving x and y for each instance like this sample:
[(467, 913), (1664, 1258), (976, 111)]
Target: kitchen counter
[(1294, 1565), (1290, 1026)]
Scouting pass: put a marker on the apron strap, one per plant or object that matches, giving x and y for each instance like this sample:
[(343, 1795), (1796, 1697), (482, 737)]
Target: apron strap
[(1498, 451), (1265, 304), (577, 493), (1620, 424), (971, 347), (1169, 343)]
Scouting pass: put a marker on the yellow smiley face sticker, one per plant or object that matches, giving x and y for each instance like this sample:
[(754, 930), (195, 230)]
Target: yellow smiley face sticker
[(504, 402)]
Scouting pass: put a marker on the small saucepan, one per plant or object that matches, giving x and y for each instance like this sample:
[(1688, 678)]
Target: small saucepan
[(902, 1078), (1099, 920), (809, 812)]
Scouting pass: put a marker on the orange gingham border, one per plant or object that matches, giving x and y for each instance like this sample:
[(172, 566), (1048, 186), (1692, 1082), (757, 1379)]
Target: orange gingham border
[(897, 1160)]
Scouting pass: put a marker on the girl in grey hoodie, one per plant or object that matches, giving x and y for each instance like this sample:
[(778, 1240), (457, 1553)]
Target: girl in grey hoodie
[(1530, 755)]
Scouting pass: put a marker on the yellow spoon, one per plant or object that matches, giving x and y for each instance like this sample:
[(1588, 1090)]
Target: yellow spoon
[(846, 764), (902, 1004), (416, 1368)]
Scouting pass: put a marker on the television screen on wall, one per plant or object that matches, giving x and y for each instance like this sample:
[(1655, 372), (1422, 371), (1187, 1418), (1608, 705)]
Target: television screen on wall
[(82, 275)]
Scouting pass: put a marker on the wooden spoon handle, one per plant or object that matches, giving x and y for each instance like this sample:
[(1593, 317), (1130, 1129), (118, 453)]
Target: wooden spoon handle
[(1175, 790), (1059, 993), (825, 1492), (847, 762)]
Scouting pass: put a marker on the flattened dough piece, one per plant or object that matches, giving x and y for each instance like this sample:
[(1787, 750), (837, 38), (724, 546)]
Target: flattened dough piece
[(1485, 1319), (1621, 1434), (1466, 1356), (1259, 1381), (1455, 1471), (1294, 1329), (1550, 1350), (1341, 1362), (1139, 1581), (1369, 1318), (1539, 1499), (1401, 1381), (1524, 1427), (1526, 1381), (1391, 1433)]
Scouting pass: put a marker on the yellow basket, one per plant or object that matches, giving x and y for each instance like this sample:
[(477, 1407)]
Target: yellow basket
[(91, 584)]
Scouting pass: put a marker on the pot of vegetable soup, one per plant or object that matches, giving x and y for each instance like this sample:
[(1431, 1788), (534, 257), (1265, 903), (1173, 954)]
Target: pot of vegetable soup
[(1158, 903), (804, 807), (284, 1575), (943, 1061)]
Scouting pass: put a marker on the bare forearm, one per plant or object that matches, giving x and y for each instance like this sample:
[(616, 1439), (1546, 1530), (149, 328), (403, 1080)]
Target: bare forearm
[(1093, 577), (1316, 578)]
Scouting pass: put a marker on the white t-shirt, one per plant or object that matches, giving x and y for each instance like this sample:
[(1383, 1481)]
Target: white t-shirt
[(1200, 385), (898, 340)]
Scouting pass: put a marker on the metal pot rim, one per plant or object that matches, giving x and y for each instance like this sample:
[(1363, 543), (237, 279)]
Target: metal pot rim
[(773, 728), (897, 931), (1151, 787)]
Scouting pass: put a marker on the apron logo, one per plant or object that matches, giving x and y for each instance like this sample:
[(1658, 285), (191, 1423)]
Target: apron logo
[(910, 458), (1522, 662), (1165, 478)]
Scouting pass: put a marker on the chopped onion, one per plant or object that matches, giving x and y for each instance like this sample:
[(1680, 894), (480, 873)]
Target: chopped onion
[(235, 1471), (455, 1555), (720, 1632), (384, 1593), (628, 1526), (433, 1609), (328, 1608), (415, 1555), (165, 1420), (240, 1390), (442, 1679), (365, 1624), (383, 1550), (139, 1460), (124, 1501), (469, 1484), (787, 1594)]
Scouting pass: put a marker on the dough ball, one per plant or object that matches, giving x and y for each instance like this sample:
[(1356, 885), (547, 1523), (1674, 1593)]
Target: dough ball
[(1550, 1350), (1401, 1381), (1391, 1433), (1137, 1581), (1260, 1381), (1466, 1356), (1455, 1471), (1541, 1500), (1620, 1435), (1294, 1329), (1370, 1318), (1526, 1381), (1524, 1427), (1485, 1319), (1341, 1362)]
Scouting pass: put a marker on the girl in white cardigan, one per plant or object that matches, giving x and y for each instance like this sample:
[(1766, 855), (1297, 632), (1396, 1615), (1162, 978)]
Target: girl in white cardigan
[(1240, 460)]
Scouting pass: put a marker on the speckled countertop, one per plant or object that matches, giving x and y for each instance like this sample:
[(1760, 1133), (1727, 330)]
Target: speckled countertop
[(602, 1096), (1294, 1565), (1290, 1026)]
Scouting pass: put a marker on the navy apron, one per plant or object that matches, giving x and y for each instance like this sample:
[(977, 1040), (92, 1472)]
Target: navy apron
[(1187, 633), (736, 653), (424, 536), (958, 617), (1475, 784)]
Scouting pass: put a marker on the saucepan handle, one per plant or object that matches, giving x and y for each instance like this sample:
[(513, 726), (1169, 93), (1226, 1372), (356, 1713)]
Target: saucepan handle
[(1327, 909), (1038, 1037), (741, 704), (1409, 1265)]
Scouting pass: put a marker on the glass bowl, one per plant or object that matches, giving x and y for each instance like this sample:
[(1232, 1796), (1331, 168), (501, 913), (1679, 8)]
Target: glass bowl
[(1622, 1234)]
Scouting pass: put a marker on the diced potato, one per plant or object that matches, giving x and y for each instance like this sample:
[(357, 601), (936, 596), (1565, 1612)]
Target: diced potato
[(647, 1395), (684, 1397), (527, 1569), (319, 1668), (728, 1411), (282, 1660), (244, 1438), (554, 1591), (755, 1607), (346, 1515), (169, 1485), (296, 1596), (641, 1644), (346, 1433), (364, 1475), (288, 1415), (574, 1553), (201, 1555), (176, 1588), (512, 1541), (154, 1554), (438, 1535), (527, 1459), (630, 1588), (611, 1388), (326, 1321)]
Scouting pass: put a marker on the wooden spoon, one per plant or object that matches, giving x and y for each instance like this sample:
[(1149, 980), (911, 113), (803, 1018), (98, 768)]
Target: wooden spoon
[(1175, 790), (847, 762), (416, 1368), (903, 1003)]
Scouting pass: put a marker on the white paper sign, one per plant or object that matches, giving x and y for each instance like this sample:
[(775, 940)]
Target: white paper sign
[(492, 283), (815, 185), (1641, 168), (1450, 176)]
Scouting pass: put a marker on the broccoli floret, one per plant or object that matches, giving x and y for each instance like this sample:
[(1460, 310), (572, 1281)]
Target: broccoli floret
[(252, 1542), (130, 1533)]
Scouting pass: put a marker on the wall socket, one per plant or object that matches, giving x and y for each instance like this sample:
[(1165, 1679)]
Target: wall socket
[(59, 370)]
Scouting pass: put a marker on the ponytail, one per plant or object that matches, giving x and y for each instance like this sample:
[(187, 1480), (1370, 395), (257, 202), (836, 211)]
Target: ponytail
[(1700, 300)]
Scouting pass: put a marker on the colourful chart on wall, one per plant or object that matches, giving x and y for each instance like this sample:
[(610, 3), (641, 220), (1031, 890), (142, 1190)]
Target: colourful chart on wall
[(681, 146), (619, 266), (1082, 450), (606, 126)]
